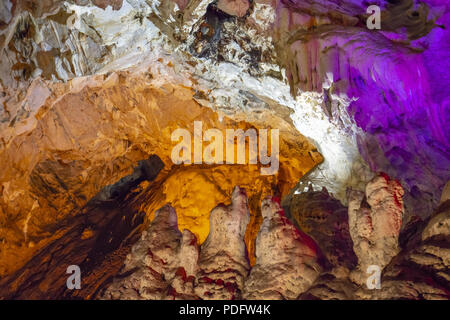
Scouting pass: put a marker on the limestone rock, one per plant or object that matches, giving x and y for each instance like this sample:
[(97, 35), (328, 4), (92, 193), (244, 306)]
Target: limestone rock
[(234, 7), (325, 219), (155, 261), (445, 193), (421, 270), (223, 260), (375, 220), (439, 224), (94, 137), (319, 42), (286, 258), (167, 264), (91, 88), (331, 286)]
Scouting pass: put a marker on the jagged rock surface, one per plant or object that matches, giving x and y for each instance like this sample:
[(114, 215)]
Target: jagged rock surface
[(419, 271), (422, 269), (166, 264), (236, 8), (288, 262), (162, 253), (71, 125), (163, 263), (223, 259), (325, 219), (87, 136), (286, 259), (375, 220)]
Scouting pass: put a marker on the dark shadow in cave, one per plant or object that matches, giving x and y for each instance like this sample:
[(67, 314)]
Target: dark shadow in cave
[(98, 239)]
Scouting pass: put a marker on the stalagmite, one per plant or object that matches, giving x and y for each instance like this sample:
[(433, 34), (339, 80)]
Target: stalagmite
[(129, 130), (286, 258)]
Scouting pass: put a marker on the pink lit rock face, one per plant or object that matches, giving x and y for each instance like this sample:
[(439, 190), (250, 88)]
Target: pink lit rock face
[(375, 219), (182, 3), (286, 259), (115, 4), (325, 219), (167, 264), (401, 101)]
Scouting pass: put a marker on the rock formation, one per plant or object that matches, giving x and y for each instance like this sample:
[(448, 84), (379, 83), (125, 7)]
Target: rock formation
[(167, 264), (289, 263), (91, 92), (223, 257), (375, 220), (163, 255), (286, 259), (419, 271), (325, 219)]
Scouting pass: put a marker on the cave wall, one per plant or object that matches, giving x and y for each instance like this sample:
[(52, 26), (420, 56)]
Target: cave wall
[(83, 101)]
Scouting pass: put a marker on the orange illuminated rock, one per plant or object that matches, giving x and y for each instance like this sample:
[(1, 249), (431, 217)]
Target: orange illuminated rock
[(90, 132)]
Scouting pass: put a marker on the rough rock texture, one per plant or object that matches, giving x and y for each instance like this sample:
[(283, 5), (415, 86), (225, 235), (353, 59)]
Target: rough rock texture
[(325, 219), (106, 227), (223, 258), (286, 259), (90, 134), (289, 264), (327, 48), (167, 264), (160, 264), (78, 38), (419, 271), (236, 8), (91, 89), (375, 220)]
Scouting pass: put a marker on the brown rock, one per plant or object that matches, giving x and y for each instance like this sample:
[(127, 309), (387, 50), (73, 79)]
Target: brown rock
[(236, 8), (325, 219), (115, 4)]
